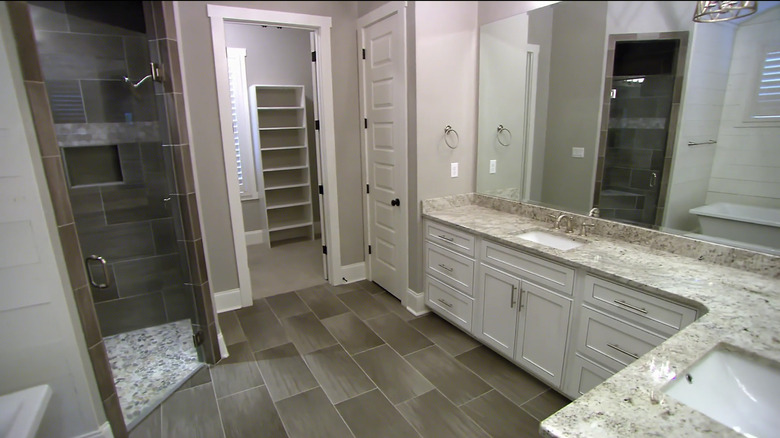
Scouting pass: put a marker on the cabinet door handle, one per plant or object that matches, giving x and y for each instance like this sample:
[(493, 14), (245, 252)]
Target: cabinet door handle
[(444, 302), (615, 347), (520, 300), (625, 304), (445, 267), (512, 297), (443, 237)]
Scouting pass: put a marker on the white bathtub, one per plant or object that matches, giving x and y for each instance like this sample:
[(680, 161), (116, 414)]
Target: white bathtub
[(741, 223)]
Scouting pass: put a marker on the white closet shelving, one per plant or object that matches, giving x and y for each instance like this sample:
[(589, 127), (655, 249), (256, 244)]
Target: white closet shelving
[(279, 133)]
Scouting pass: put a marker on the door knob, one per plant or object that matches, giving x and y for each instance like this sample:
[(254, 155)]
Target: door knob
[(395, 202)]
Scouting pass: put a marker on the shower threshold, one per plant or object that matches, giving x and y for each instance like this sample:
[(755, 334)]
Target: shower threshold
[(149, 365)]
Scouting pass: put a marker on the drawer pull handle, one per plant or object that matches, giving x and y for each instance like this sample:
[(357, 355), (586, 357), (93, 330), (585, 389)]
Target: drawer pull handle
[(445, 267), (443, 237), (625, 304), (444, 302), (615, 347)]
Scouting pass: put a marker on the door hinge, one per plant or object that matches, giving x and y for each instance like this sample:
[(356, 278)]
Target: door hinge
[(369, 249), (367, 190), (322, 190), (365, 123), (197, 338), (364, 53), (316, 125), (313, 56), (324, 249)]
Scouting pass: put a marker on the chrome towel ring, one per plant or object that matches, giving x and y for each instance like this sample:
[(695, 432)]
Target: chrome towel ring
[(498, 135), (447, 130)]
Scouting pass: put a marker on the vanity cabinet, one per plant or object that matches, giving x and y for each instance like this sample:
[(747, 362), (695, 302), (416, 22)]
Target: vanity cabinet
[(450, 271), (617, 325), (569, 328), (524, 309)]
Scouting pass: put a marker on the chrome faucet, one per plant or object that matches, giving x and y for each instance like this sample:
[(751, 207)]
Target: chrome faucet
[(560, 218)]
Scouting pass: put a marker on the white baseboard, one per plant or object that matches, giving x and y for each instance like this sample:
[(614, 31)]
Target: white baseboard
[(254, 237), (227, 300), (104, 431), (351, 273), (415, 303), (223, 350)]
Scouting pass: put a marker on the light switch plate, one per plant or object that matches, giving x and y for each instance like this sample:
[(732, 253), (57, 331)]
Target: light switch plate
[(492, 166), (453, 170), (578, 152)]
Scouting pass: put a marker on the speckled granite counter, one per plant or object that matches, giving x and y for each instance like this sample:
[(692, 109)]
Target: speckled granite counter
[(741, 307)]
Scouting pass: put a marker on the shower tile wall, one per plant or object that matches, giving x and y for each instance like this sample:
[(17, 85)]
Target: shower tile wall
[(636, 146), (84, 58)]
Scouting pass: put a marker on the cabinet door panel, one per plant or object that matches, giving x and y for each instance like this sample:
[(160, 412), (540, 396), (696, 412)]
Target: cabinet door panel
[(498, 309), (542, 332)]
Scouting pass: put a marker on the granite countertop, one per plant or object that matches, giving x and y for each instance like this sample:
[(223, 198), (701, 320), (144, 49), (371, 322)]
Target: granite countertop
[(739, 308)]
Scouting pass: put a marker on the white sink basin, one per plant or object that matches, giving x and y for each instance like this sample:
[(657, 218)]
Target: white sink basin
[(552, 240), (732, 388), (21, 412)]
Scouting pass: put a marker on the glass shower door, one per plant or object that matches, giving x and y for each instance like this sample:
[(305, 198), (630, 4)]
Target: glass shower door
[(111, 129), (642, 89)]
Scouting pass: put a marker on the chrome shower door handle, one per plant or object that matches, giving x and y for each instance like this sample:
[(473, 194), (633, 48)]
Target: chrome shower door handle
[(105, 272), (653, 179)]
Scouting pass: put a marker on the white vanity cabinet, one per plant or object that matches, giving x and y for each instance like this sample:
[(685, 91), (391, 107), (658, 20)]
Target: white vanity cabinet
[(523, 305), (450, 270), (539, 314), (617, 325)]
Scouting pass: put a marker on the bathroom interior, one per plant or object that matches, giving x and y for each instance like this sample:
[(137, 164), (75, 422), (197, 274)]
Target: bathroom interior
[(662, 145)]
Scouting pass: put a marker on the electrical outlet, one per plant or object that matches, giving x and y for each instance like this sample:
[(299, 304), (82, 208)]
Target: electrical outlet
[(492, 166), (453, 170), (578, 152)]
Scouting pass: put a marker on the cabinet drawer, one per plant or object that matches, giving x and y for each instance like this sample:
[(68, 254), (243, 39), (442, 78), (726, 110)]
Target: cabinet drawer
[(542, 272), (658, 314), (450, 238), (451, 268), (612, 342), (586, 375), (448, 302)]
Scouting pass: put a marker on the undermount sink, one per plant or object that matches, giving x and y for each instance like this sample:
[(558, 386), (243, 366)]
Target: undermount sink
[(733, 388), (552, 240)]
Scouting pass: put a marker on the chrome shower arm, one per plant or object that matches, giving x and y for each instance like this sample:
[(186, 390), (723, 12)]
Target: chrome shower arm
[(154, 75)]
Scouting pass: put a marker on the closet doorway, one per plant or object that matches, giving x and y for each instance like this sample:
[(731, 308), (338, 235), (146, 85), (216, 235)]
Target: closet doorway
[(276, 168)]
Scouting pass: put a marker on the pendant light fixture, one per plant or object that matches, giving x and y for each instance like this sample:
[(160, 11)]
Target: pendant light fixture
[(714, 12)]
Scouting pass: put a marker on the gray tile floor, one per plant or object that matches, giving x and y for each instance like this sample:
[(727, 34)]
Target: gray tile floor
[(350, 361)]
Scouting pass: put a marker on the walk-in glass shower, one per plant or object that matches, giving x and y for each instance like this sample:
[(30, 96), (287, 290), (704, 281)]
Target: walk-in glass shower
[(103, 76)]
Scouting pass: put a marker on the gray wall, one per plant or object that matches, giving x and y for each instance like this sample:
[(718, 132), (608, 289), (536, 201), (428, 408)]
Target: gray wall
[(276, 57), (577, 66), (206, 139)]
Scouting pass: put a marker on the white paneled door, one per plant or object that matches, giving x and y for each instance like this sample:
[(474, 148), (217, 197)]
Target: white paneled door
[(383, 105)]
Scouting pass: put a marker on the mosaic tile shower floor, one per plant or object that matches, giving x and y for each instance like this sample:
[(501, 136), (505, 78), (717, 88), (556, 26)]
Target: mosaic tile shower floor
[(149, 364)]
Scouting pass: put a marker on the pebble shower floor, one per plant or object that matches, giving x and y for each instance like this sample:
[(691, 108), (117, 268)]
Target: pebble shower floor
[(150, 364)]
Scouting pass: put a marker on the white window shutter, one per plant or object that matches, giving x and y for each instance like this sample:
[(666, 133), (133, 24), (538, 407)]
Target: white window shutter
[(239, 108), (765, 102)]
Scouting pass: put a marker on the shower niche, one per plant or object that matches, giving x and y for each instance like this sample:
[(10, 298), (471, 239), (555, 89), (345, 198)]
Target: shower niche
[(92, 165)]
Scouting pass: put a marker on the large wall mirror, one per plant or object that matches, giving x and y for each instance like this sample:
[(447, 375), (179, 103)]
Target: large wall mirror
[(565, 124)]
